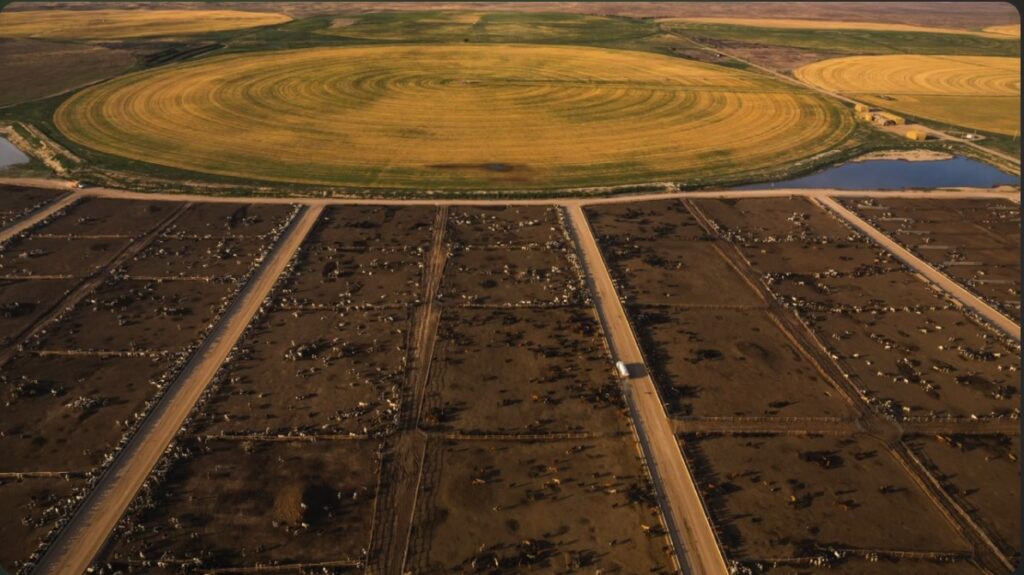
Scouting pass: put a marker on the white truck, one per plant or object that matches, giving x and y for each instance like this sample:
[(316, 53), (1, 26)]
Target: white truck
[(622, 369)]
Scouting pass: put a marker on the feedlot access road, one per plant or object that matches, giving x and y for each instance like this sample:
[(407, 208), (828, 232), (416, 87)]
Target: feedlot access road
[(697, 548)]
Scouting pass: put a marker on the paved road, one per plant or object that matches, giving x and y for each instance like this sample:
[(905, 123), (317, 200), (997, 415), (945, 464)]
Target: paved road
[(940, 279), (692, 535), (88, 530)]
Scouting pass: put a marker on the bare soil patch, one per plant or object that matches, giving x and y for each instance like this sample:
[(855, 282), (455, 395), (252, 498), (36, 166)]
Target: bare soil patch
[(281, 502), (542, 507), (58, 256), (982, 471), (789, 496), (124, 315), (32, 508), (67, 413), (731, 363), (522, 371), (314, 372)]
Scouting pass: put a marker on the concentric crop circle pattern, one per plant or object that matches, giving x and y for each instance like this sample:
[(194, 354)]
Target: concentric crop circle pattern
[(940, 75), (440, 116)]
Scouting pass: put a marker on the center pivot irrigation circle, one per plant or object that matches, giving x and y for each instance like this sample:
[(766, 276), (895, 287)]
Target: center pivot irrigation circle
[(454, 117)]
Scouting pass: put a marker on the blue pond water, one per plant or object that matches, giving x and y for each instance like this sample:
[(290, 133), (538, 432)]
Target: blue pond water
[(898, 174), (9, 155)]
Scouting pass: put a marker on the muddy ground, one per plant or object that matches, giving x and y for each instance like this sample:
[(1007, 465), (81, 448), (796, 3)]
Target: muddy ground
[(32, 508), (983, 472), (234, 503), (538, 507), (707, 367), (66, 413), (522, 371), (791, 496), (317, 372)]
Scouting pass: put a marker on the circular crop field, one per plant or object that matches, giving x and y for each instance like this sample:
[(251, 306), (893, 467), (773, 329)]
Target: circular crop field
[(980, 92), (454, 117)]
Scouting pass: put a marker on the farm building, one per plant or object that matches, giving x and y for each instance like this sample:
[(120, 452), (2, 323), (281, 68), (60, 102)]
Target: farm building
[(898, 120)]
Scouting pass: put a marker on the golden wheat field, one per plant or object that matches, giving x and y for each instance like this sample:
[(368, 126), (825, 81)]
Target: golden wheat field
[(121, 24), (454, 117), (980, 92), (1007, 30), (801, 24)]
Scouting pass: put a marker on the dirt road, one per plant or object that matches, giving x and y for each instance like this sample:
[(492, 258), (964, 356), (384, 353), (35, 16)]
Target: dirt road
[(922, 267), (976, 193), (37, 216), (91, 525), (693, 538)]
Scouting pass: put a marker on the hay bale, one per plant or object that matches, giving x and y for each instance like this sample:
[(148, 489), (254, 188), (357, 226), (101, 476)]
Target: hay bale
[(917, 135)]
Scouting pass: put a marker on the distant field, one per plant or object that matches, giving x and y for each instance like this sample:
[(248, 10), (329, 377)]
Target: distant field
[(971, 91), (1008, 30), (854, 41), (35, 69), (488, 27), (121, 24), (455, 117), (836, 25)]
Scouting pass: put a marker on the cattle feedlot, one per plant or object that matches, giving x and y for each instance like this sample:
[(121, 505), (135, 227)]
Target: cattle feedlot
[(494, 287)]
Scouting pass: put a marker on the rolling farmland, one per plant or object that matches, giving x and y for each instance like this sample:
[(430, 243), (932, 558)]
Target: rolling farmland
[(122, 24), (454, 117), (978, 92)]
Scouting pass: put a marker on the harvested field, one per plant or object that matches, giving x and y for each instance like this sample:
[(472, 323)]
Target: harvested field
[(68, 412), (477, 27), (832, 25), (499, 276), (35, 69), (23, 302), (976, 242), (94, 217), (982, 471), (1007, 30), (277, 502), (706, 365), (58, 256), (17, 202), (314, 372), (32, 508), (522, 371), (475, 121), (780, 496), (980, 92), (542, 507), (126, 315), (122, 24)]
